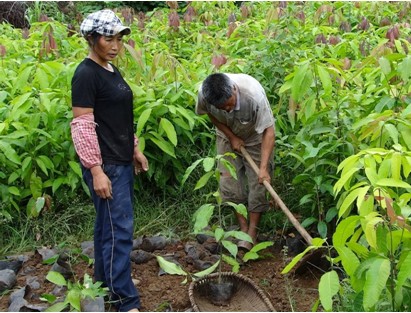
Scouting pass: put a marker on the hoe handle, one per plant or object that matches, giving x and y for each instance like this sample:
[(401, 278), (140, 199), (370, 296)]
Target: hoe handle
[(278, 200)]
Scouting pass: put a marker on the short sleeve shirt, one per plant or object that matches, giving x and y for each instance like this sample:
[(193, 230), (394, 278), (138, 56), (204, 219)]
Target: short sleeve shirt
[(253, 116), (112, 101)]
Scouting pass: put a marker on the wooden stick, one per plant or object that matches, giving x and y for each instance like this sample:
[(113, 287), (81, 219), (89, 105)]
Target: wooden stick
[(277, 199)]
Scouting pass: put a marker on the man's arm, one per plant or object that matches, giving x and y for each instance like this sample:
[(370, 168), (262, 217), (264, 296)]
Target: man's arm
[(267, 147), (236, 142)]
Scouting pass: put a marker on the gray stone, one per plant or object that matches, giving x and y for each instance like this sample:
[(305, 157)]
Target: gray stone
[(7, 279), (46, 253), (92, 305), (151, 244), (33, 282), (140, 256)]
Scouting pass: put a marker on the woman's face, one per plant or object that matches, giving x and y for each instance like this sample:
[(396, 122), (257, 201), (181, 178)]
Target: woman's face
[(108, 47)]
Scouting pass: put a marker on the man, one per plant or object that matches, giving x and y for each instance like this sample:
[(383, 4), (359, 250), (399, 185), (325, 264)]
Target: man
[(238, 106)]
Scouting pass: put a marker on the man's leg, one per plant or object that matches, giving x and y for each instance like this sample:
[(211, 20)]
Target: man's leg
[(257, 195), (232, 189), (254, 218)]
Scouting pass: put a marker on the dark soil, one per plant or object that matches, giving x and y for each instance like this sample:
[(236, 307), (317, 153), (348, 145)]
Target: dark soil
[(292, 292)]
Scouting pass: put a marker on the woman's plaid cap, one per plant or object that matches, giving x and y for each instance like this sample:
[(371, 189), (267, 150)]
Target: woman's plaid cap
[(104, 22)]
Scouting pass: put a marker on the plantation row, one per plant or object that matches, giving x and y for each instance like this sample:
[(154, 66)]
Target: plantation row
[(338, 79)]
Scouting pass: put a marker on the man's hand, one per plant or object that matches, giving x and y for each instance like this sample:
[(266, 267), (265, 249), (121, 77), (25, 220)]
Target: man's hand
[(263, 175), (236, 143), (101, 183), (140, 162)]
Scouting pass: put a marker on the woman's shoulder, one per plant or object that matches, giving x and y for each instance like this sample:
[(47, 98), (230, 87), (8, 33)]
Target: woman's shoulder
[(85, 68)]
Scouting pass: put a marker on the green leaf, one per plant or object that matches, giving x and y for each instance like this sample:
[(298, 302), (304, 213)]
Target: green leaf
[(166, 125), (231, 247), (56, 278), (75, 166), (349, 260), (218, 233), (22, 79), (207, 271), (203, 180), (349, 199), (370, 232), (385, 65), (325, 80), (375, 282), (9, 152), (235, 266), (396, 166), (404, 68), (308, 221), (301, 82), (189, 170), (145, 115), (50, 298), (230, 167), (165, 146), (202, 217), (208, 164), (404, 271), (73, 297), (253, 253), (240, 235), (296, 259), (322, 229), (58, 307), (170, 267), (345, 229), (328, 288), (14, 190), (344, 178), (392, 131), (239, 208), (391, 182)]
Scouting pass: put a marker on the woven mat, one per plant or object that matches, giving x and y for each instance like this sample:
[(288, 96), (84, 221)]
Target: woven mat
[(248, 297)]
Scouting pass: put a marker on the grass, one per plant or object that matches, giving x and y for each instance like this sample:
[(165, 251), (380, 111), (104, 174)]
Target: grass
[(71, 219)]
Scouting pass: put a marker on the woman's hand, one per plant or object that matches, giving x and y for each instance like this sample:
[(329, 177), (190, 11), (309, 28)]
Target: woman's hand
[(140, 162), (101, 183)]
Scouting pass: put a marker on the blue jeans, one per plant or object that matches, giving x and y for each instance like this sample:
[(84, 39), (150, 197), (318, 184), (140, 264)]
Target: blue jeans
[(113, 236)]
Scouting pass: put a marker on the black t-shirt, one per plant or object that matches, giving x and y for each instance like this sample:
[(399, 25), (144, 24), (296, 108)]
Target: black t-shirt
[(112, 100)]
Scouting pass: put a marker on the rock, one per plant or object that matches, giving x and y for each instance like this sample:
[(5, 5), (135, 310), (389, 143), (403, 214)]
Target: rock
[(86, 244), (63, 270), (87, 248), (137, 243), (151, 244), (202, 265), (14, 265), (58, 291), (17, 300), (211, 246), (92, 305), (7, 279), (46, 253), (33, 282), (201, 238), (140, 256)]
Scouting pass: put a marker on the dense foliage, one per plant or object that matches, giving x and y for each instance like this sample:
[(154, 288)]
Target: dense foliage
[(338, 79)]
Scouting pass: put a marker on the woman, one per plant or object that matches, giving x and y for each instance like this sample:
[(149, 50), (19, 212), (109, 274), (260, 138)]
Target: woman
[(103, 136)]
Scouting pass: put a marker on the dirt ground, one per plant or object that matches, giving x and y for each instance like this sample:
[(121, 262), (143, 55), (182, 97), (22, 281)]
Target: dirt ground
[(292, 292)]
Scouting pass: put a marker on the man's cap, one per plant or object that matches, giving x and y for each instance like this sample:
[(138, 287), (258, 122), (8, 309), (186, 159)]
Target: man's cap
[(104, 22)]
